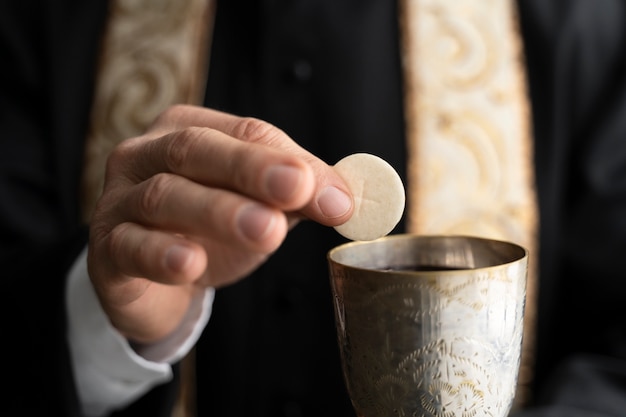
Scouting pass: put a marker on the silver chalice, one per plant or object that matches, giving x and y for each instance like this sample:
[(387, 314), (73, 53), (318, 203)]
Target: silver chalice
[(429, 326)]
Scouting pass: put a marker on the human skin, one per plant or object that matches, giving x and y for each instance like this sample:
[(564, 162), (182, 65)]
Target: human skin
[(200, 200)]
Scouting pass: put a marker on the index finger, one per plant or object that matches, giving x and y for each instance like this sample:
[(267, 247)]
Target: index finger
[(330, 201)]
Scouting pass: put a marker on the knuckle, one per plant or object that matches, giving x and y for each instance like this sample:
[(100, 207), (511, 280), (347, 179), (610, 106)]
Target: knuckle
[(125, 256), (238, 178), (121, 159), (115, 240), (179, 147), (169, 115), (99, 232), (118, 155), (254, 130), (155, 193)]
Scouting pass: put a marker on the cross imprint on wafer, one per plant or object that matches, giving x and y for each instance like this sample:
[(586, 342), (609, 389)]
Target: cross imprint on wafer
[(377, 214)]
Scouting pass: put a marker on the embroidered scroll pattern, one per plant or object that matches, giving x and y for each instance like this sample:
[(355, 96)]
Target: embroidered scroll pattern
[(470, 123), (153, 56)]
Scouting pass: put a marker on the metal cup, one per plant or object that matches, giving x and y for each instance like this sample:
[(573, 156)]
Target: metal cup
[(429, 325)]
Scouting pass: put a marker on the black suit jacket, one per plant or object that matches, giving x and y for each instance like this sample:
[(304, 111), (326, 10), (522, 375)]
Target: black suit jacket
[(328, 73)]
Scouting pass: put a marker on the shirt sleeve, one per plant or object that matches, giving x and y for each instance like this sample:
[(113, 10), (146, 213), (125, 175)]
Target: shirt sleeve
[(109, 373)]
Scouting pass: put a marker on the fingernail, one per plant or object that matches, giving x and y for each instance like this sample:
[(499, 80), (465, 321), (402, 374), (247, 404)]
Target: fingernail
[(177, 257), (282, 181), (333, 202), (255, 221)]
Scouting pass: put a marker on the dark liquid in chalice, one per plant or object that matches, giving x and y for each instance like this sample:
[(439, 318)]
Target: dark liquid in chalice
[(420, 268)]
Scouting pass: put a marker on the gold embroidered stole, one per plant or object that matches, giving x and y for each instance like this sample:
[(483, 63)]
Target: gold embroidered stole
[(468, 129)]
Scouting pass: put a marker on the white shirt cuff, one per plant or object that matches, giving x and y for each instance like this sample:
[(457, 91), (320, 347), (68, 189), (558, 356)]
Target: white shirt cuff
[(108, 373)]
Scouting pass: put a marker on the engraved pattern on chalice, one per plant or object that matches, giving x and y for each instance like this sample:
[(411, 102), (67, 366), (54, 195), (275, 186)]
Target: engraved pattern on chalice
[(436, 343)]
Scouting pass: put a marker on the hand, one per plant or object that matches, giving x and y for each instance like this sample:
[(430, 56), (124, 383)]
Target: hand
[(201, 199)]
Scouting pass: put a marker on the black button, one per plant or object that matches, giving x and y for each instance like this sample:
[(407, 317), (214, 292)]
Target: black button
[(301, 70), (288, 299)]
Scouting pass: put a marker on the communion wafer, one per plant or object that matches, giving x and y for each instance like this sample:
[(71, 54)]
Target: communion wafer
[(378, 196)]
